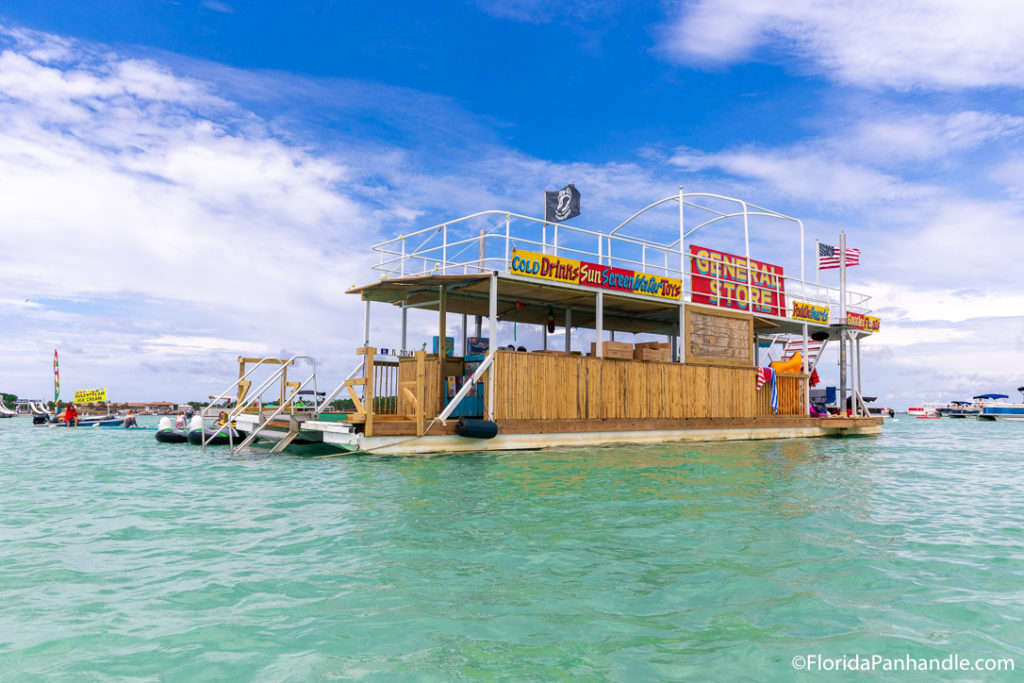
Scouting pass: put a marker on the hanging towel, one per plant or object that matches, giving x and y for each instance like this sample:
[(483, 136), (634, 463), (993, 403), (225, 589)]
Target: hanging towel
[(767, 375)]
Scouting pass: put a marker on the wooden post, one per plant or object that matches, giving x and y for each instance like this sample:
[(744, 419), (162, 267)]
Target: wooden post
[(421, 373), (284, 383), (368, 390)]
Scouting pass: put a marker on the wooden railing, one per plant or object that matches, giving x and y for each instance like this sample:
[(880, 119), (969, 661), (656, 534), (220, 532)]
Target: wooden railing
[(385, 394)]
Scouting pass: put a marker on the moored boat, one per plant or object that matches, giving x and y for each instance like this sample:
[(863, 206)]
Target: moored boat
[(960, 409), (995, 407), (166, 432), (201, 435)]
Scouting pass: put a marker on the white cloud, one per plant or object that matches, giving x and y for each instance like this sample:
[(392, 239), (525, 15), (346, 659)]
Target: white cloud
[(805, 174), (942, 44), (921, 137)]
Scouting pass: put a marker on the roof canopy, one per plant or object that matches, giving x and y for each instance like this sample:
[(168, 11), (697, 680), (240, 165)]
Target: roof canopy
[(528, 301)]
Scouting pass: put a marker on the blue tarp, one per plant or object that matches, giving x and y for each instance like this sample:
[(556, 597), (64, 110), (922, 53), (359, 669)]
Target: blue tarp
[(991, 396)]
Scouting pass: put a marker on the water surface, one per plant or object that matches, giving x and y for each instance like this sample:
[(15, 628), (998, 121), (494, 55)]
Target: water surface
[(125, 559)]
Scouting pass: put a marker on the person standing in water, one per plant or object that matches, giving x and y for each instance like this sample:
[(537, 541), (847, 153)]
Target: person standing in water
[(179, 422)]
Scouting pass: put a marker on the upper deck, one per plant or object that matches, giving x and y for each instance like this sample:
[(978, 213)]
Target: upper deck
[(647, 266)]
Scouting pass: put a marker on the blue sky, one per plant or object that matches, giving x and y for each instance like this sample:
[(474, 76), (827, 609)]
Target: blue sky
[(184, 182)]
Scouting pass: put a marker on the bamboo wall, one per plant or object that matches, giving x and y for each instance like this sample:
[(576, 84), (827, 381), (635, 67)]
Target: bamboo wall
[(534, 386), (431, 382)]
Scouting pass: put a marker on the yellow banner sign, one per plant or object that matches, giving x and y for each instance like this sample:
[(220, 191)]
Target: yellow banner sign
[(576, 272), (863, 322), (810, 312), (91, 396)]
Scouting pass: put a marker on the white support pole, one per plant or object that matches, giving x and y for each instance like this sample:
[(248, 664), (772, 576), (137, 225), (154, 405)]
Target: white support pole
[(405, 328), (366, 338), (568, 330), (682, 274), (746, 242), (555, 242), (806, 408), (481, 260), (599, 325), (860, 385), (493, 331), (402, 271), (444, 249), (544, 239), (803, 278), (366, 324), (508, 236), (817, 262), (465, 334)]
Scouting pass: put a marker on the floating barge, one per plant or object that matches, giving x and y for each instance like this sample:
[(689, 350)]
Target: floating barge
[(701, 322)]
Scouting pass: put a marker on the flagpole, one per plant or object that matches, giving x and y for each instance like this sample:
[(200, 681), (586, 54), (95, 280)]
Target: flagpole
[(842, 322), (817, 263)]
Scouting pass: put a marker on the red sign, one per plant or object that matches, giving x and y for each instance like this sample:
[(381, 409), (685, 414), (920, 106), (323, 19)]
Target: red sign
[(720, 279)]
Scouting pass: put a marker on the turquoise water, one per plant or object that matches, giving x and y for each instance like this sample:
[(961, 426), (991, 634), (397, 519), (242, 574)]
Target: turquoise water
[(124, 559)]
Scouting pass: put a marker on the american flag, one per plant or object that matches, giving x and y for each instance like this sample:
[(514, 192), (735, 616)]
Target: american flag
[(828, 257)]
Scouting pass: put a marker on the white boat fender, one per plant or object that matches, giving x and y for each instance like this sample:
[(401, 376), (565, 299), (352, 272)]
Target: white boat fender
[(476, 429), (196, 423)]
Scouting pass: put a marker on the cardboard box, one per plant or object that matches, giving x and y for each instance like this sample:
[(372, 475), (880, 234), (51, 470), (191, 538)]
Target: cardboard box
[(652, 354), (652, 345), (477, 345), (613, 349), (449, 345)]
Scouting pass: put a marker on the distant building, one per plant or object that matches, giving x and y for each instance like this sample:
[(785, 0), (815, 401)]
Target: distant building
[(153, 408)]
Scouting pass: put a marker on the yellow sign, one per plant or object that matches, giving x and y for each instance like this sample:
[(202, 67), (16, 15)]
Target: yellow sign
[(91, 396), (863, 322), (576, 272), (810, 312)]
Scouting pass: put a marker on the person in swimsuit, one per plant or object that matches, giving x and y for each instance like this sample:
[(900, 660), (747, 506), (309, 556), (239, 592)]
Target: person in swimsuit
[(129, 420)]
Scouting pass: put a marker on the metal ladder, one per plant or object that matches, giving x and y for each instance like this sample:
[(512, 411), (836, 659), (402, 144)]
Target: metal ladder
[(256, 397)]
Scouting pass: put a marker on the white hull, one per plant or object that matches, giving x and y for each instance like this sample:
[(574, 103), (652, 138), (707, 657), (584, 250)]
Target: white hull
[(448, 443)]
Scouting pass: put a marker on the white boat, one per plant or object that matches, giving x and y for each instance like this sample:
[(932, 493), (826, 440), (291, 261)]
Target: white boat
[(960, 409), (995, 407), (928, 412)]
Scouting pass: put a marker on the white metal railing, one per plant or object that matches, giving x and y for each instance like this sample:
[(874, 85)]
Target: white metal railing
[(256, 397), (462, 246), (337, 390), (466, 388)]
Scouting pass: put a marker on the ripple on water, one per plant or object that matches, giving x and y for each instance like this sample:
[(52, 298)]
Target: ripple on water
[(123, 558)]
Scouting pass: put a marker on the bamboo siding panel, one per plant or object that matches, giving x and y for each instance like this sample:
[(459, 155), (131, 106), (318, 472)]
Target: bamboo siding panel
[(533, 386), (431, 385), (791, 390)]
